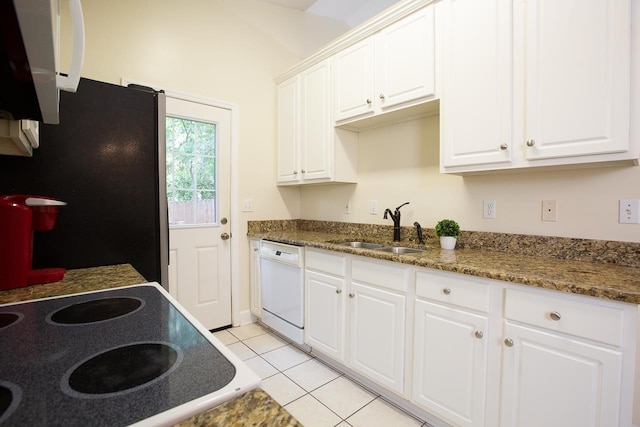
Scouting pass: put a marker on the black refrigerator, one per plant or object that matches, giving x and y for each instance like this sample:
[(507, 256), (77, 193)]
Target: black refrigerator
[(106, 159)]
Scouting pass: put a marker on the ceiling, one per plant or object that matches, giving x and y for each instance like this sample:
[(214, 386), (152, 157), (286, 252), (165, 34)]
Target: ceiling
[(351, 12)]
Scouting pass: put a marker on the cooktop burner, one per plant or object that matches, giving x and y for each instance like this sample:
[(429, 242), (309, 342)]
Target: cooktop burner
[(113, 358), (96, 311), (7, 319), (121, 369)]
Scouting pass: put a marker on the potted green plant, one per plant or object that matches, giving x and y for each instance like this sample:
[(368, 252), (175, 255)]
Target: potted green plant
[(448, 231)]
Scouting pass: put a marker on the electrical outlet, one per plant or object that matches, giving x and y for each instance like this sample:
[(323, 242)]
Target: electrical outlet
[(247, 205), (489, 209), (347, 208), (629, 211), (373, 207), (549, 210)]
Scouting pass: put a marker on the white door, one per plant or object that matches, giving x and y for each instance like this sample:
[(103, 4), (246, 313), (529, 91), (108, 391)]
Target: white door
[(198, 192)]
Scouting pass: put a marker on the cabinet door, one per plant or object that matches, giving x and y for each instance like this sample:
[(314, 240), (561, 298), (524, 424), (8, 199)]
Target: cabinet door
[(353, 80), (316, 140), (405, 58), (450, 363), (577, 69), (377, 335), (324, 313), (555, 381), (288, 129), (254, 263), (476, 104)]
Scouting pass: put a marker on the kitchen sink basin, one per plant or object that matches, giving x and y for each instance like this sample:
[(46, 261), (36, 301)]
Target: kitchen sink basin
[(363, 245), (399, 250)]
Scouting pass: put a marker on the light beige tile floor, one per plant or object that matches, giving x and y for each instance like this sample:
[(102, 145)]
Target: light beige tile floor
[(311, 391)]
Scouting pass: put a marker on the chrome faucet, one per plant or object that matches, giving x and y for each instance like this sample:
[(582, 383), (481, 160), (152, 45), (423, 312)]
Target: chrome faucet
[(419, 231), (395, 216)]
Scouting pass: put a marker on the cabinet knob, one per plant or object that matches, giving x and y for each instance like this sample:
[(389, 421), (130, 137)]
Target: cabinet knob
[(338, 291), (382, 97), (295, 172), (503, 146), (256, 249), (352, 295), (554, 315), (508, 342), (479, 334), (530, 143), (446, 291), (368, 102), (303, 171)]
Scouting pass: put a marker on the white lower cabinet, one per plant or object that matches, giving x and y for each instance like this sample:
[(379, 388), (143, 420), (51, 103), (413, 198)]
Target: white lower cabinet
[(377, 334), (450, 348), (563, 362), (324, 325), (464, 351), (374, 304)]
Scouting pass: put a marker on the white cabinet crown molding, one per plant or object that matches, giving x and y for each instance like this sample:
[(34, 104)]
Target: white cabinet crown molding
[(375, 24)]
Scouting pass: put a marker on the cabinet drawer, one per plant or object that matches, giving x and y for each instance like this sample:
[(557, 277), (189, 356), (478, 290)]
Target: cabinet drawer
[(326, 262), (381, 274), (463, 292), (582, 319)]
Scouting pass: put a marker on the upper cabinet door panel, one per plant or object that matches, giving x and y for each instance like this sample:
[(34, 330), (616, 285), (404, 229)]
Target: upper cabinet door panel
[(406, 59), (316, 146), (577, 77), (288, 129), (476, 103), (353, 82)]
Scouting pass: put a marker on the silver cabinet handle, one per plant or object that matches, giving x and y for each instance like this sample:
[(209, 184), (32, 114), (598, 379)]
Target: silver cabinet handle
[(554, 315), (338, 291), (508, 342), (479, 334), (352, 295), (225, 236), (446, 291), (531, 143), (368, 102), (382, 96), (303, 171), (295, 172), (256, 249), (503, 146)]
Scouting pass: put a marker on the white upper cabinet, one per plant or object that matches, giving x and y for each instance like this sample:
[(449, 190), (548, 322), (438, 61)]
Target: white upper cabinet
[(310, 150), (392, 69), (536, 83), (576, 78), (476, 105)]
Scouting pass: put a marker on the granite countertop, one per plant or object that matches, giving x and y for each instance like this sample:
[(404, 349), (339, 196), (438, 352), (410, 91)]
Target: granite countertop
[(251, 409), (601, 280)]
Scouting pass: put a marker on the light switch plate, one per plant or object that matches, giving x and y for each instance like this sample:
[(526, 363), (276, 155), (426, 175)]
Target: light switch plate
[(247, 205), (629, 211)]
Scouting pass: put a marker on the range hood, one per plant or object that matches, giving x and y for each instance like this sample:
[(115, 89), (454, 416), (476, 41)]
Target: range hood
[(29, 86)]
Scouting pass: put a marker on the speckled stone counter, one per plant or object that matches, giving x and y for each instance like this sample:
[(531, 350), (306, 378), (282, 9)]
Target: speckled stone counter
[(609, 270), (80, 280), (254, 408)]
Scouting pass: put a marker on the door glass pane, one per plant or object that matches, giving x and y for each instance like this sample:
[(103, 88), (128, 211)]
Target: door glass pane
[(191, 171)]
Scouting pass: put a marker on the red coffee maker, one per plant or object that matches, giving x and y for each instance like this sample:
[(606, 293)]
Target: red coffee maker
[(20, 216)]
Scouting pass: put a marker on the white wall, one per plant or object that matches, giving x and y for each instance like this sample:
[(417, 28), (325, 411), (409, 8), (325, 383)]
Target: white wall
[(399, 163)]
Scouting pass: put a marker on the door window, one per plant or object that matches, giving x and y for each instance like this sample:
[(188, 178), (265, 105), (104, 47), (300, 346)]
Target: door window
[(191, 171)]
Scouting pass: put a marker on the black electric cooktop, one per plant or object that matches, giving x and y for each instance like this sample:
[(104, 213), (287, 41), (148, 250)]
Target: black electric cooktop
[(107, 358)]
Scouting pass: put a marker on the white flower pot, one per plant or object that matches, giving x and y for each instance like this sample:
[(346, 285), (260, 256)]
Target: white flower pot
[(447, 242)]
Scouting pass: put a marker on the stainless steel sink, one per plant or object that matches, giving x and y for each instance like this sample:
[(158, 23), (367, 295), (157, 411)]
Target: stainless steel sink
[(399, 250), (363, 245)]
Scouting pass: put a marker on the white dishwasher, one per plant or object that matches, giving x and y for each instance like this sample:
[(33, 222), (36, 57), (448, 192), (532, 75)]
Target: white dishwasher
[(282, 288)]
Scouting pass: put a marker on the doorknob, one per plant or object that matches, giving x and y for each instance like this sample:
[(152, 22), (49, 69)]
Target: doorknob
[(225, 236), (223, 221)]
